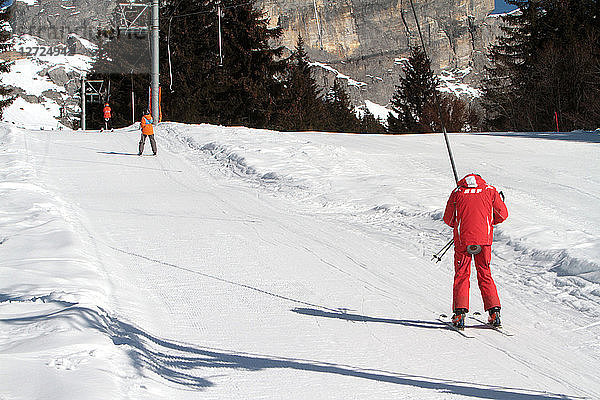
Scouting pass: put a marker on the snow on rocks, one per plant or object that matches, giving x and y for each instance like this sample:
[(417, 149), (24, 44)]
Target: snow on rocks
[(46, 85), (45, 114), (379, 112), (338, 74), (452, 82)]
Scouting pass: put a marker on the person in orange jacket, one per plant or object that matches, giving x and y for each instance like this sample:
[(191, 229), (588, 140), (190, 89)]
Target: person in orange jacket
[(107, 111), (473, 209), (147, 131)]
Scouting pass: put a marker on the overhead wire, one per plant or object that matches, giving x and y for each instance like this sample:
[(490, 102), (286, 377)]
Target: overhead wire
[(212, 10), (169, 46), (173, 15), (436, 97), (439, 109)]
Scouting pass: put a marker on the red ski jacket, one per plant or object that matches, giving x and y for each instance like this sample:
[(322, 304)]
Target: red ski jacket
[(472, 210), (106, 110)]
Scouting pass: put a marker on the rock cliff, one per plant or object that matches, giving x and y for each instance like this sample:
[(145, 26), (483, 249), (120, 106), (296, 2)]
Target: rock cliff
[(366, 39)]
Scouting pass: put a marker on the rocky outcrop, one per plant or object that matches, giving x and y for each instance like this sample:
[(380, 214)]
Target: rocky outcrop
[(55, 20), (366, 39), (70, 25)]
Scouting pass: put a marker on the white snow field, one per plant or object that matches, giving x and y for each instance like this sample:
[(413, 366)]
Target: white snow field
[(249, 264)]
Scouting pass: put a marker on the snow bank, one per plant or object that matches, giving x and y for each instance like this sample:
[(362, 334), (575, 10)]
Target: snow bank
[(33, 116), (38, 231), (52, 289)]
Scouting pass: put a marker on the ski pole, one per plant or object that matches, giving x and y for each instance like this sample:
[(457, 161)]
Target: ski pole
[(438, 256)]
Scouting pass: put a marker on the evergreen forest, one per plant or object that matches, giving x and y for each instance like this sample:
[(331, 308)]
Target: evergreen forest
[(543, 72)]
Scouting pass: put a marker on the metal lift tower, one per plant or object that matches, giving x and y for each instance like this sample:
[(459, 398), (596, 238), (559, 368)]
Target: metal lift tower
[(155, 68)]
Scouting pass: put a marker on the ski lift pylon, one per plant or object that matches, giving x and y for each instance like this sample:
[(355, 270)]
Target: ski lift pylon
[(96, 92), (133, 17)]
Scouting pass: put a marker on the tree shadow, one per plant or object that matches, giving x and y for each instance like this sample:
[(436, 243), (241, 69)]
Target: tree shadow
[(7, 298), (578, 136), (114, 153), (183, 363), (363, 318)]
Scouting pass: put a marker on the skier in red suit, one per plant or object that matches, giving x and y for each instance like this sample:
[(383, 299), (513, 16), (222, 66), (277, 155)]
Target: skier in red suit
[(473, 208), (107, 112)]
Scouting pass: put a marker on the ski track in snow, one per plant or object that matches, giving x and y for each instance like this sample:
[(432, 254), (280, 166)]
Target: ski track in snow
[(582, 296), (518, 269), (184, 327)]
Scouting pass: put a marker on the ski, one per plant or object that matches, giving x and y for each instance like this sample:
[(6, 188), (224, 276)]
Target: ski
[(452, 327), (488, 325)]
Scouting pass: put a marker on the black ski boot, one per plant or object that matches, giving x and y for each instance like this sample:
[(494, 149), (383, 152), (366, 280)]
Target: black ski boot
[(458, 319), (494, 318)]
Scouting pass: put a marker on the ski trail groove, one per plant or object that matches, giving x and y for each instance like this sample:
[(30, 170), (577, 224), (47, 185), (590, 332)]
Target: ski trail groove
[(221, 279)]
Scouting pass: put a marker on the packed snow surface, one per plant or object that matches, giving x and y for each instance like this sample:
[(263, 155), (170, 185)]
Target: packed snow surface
[(242, 263)]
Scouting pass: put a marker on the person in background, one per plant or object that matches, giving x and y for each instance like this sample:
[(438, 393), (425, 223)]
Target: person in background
[(472, 210), (147, 131), (107, 117)]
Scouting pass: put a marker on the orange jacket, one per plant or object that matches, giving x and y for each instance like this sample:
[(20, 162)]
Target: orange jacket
[(107, 111), (146, 125)]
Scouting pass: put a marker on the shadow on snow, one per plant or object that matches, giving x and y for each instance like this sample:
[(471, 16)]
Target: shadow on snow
[(114, 153), (577, 136), (183, 363), (363, 318)]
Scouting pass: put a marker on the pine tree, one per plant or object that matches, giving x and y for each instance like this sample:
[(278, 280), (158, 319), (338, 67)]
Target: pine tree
[(547, 61), (123, 63), (341, 117), (5, 92), (370, 124), (301, 107), (457, 115), (415, 92), (122, 52), (244, 88)]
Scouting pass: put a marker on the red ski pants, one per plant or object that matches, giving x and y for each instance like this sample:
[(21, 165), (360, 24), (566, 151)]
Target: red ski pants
[(462, 273)]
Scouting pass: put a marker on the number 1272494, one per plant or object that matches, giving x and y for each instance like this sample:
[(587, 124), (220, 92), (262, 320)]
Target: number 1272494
[(44, 51)]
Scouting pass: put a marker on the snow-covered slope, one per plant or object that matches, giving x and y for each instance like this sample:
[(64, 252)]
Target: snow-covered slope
[(251, 264)]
